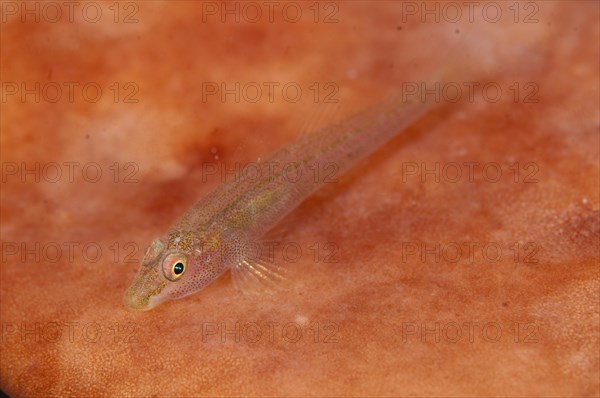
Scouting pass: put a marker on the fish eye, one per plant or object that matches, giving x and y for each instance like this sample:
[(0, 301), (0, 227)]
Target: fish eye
[(153, 251), (174, 266), (178, 268)]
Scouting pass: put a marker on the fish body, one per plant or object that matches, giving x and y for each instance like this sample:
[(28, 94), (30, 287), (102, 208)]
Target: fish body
[(215, 233)]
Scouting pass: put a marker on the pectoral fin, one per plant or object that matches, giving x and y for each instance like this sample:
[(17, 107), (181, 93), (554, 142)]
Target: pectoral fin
[(256, 278), (256, 274)]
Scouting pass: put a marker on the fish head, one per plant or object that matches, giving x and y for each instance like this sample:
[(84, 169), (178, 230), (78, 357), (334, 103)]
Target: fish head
[(173, 267)]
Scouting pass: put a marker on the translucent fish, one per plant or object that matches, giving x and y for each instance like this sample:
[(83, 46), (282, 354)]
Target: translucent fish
[(217, 234)]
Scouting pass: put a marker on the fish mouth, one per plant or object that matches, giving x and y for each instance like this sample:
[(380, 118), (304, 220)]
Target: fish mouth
[(143, 293), (135, 302), (143, 302)]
